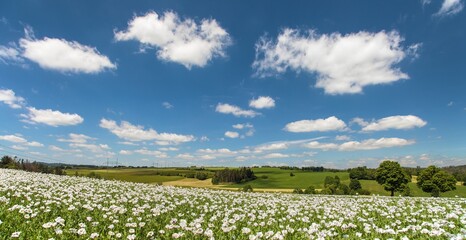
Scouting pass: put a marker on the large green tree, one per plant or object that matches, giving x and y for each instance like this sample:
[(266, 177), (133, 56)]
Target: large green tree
[(434, 180), (392, 177)]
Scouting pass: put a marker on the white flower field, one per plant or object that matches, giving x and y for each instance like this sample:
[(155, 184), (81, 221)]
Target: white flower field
[(40, 206)]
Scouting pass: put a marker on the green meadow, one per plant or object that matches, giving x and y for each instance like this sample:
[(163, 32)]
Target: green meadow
[(267, 178)]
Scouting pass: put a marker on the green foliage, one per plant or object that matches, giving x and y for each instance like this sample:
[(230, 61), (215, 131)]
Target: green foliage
[(94, 175), (310, 190), (407, 192), (361, 173), (201, 175), (355, 184), (392, 177), (233, 175), (434, 180), (298, 191), (363, 192), (247, 188)]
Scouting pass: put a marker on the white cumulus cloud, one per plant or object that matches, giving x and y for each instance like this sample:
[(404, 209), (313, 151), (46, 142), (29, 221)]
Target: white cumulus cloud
[(13, 138), (236, 111), (344, 64), (130, 132), (371, 144), (368, 144), (64, 56), (318, 125), (76, 138), (231, 134), (395, 122), (450, 7), (182, 41), (51, 117), (262, 102), (9, 97)]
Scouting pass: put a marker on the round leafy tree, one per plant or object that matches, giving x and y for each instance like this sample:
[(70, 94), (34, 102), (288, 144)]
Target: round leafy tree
[(434, 180), (392, 177)]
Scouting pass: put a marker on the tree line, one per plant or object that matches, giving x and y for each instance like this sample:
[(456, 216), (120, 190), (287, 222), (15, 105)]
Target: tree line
[(227, 175), (26, 165)]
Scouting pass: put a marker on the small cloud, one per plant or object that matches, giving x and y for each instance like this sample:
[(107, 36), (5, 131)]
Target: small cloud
[(318, 125), (167, 105), (342, 138), (235, 111), (8, 97), (62, 55), (51, 117), (395, 122), (231, 134), (450, 8), (262, 102), (450, 104)]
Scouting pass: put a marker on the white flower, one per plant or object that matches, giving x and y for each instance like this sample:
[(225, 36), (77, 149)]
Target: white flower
[(15, 234), (81, 231)]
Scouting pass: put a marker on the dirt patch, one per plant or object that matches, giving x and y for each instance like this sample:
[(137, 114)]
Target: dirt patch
[(190, 182)]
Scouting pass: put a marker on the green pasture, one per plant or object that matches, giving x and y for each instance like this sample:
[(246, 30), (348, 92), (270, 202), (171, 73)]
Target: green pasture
[(280, 179), (140, 175), (376, 188)]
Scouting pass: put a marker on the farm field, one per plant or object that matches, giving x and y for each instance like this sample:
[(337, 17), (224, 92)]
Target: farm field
[(276, 180), (44, 206)]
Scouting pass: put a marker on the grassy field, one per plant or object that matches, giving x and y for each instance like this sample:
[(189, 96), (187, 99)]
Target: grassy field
[(268, 179), (376, 188), (281, 179), (140, 175)]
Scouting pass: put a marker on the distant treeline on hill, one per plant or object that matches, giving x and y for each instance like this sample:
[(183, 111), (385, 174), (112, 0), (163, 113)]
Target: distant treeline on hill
[(233, 175), (26, 165)]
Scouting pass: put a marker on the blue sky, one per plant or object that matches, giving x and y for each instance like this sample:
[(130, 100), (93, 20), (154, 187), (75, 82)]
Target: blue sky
[(180, 83)]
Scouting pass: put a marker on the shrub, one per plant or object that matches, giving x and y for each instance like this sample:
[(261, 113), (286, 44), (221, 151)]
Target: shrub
[(298, 191), (310, 190), (247, 188)]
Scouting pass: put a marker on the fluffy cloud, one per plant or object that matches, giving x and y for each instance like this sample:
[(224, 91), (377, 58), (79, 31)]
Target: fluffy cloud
[(450, 7), (125, 152), (262, 102), (231, 134), (236, 111), (182, 41), (132, 132), (343, 63), (322, 146), (342, 138), (34, 144), (167, 105), (64, 56), (95, 148), (319, 125), (51, 118), (394, 122), (369, 144), (13, 138), (242, 126), (10, 54), (271, 147), (9, 97), (76, 138)]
